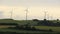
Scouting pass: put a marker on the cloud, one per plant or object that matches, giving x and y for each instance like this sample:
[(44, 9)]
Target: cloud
[(29, 2)]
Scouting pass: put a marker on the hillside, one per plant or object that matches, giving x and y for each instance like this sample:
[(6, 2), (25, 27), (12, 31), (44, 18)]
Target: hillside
[(20, 22)]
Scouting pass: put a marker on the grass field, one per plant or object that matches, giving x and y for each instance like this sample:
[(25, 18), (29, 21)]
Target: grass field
[(56, 29), (22, 22), (24, 31)]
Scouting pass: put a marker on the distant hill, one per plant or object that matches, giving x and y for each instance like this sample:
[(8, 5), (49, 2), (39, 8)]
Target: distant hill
[(8, 21)]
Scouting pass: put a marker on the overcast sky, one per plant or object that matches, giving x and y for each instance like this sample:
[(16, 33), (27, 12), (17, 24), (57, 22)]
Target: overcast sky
[(36, 8)]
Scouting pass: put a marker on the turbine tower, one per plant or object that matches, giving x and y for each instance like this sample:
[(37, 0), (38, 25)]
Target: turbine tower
[(45, 15), (11, 16), (48, 16), (26, 14)]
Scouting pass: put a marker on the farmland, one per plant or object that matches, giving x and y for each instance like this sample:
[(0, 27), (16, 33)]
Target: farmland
[(31, 23)]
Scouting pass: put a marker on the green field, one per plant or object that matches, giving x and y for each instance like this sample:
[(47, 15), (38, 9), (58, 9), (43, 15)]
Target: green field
[(55, 29), (22, 22), (25, 31)]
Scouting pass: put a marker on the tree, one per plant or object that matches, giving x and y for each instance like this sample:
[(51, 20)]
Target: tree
[(57, 20), (35, 20)]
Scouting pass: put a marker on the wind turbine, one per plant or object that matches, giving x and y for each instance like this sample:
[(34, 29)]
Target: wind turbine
[(48, 16), (11, 12), (26, 14), (45, 14)]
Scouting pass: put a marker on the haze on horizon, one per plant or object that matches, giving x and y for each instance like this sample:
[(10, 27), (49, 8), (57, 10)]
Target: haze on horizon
[(36, 9)]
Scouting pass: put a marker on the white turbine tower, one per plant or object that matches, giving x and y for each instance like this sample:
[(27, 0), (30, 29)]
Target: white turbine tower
[(48, 16), (26, 14), (11, 12), (45, 14)]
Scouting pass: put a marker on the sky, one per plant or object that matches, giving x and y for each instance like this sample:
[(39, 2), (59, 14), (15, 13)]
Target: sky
[(36, 9)]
